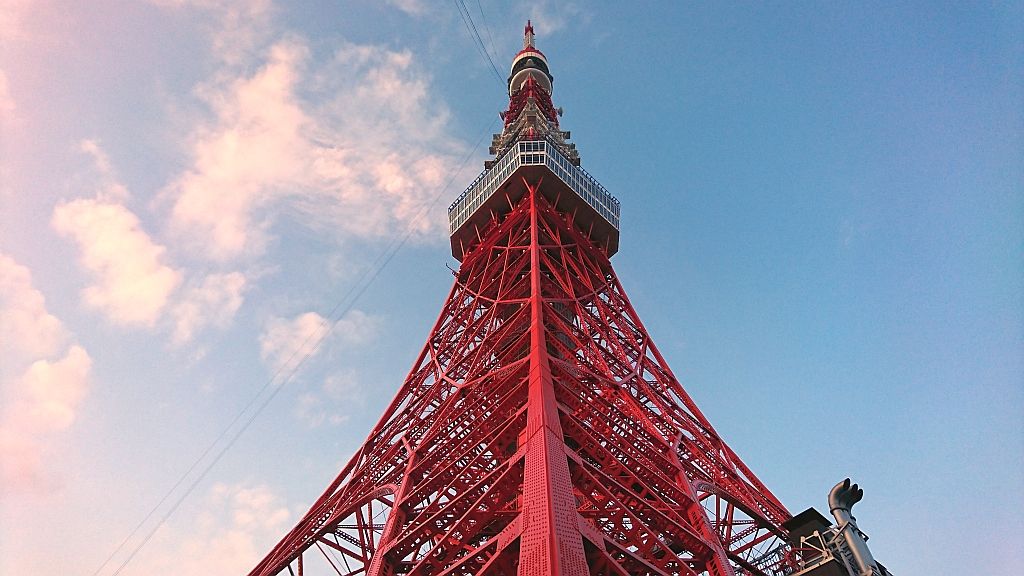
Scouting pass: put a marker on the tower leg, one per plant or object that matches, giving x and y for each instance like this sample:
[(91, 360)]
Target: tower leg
[(551, 544)]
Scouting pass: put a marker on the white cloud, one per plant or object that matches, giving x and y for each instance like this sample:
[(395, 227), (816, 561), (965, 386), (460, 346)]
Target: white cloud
[(357, 328), (26, 328), (340, 394), (410, 7), (235, 527), (548, 18), (109, 188), (360, 154), (214, 301), (344, 385), (313, 411), (285, 342), (44, 398), (238, 26), (132, 284)]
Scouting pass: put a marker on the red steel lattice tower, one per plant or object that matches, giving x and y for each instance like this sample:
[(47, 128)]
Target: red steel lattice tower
[(540, 431)]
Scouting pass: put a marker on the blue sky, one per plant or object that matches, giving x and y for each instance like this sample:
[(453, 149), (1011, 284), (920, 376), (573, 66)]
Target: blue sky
[(822, 229)]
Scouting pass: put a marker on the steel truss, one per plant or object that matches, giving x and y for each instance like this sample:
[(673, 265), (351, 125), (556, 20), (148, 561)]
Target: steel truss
[(539, 432)]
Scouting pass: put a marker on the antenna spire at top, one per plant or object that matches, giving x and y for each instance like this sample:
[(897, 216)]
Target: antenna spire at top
[(528, 36)]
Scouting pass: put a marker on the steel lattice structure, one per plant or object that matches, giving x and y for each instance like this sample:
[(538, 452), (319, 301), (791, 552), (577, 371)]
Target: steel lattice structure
[(540, 431)]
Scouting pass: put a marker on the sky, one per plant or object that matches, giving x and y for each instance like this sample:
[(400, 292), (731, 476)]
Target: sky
[(822, 228)]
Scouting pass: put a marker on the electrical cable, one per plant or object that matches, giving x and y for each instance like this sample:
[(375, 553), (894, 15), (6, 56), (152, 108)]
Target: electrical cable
[(483, 18), (474, 35), (318, 338)]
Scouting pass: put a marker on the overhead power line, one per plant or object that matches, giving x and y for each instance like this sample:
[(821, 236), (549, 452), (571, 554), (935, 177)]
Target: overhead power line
[(483, 18), (474, 34)]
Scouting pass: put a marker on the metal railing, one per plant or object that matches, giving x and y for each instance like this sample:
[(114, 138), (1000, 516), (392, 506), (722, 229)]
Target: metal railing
[(533, 153)]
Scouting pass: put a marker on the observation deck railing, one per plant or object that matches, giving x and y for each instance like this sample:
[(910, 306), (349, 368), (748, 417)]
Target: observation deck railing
[(533, 153)]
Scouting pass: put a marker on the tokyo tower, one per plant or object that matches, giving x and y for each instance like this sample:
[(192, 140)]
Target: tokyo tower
[(540, 431)]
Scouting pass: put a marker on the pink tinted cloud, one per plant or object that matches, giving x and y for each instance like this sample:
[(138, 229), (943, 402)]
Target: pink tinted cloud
[(255, 152), (131, 284), (27, 329), (49, 392), (360, 154), (41, 393)]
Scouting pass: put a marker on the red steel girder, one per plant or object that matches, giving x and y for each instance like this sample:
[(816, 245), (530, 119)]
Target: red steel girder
[(540, 431)]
